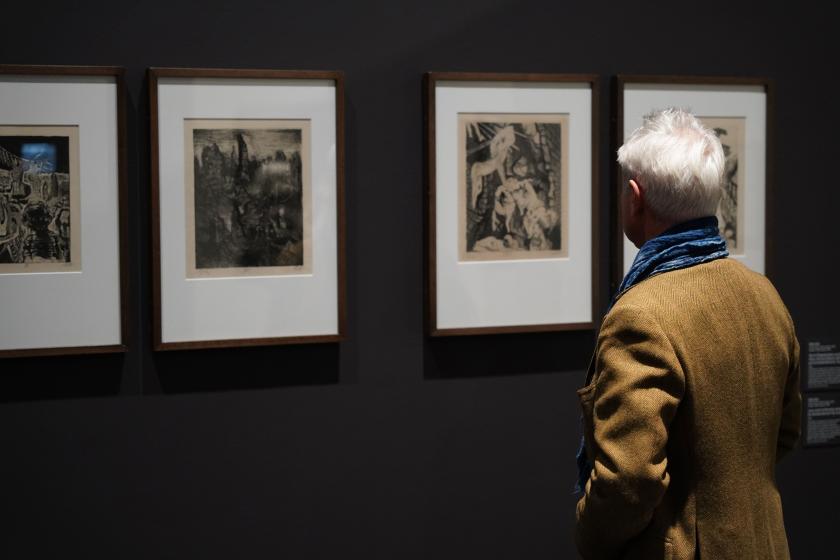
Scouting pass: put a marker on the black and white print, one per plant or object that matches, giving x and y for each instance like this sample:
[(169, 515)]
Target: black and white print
[(730, 131), (37, 199), (249, 200), (513, 186)]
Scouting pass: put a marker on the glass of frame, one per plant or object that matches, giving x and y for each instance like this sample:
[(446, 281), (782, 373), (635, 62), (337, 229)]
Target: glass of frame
[(511, 175), (247, 207), (738, 110), (62, 210)]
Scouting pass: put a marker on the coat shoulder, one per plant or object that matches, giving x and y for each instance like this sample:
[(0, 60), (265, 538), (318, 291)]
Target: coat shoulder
[(704, 282)]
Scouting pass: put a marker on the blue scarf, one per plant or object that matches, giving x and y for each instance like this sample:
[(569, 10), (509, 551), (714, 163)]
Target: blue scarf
[(684, 245)]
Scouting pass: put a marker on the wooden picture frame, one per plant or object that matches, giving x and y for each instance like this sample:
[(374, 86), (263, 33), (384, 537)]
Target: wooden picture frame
[(271, 270), (541, 132), (63, 248), (741, 109)]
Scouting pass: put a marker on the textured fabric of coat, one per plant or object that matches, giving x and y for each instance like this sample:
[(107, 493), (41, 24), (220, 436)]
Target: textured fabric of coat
[(684, 245), (692, 398)]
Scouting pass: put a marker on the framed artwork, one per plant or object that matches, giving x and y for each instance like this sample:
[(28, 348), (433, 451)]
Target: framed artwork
[(247, 207), (511, 229), (738, 110), (63, 261)]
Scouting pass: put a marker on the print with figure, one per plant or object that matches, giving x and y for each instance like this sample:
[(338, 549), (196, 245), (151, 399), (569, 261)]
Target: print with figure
[(730, 213), (513, 186)]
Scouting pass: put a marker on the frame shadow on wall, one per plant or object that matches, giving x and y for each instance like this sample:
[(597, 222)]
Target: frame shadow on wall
[(227, 369), (455, 357), (61, 377)]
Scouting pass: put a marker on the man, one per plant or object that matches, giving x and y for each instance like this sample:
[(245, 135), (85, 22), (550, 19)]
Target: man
[(693, 393)]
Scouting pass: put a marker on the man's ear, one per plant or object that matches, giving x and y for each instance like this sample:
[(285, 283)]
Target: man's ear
[(636, 195)]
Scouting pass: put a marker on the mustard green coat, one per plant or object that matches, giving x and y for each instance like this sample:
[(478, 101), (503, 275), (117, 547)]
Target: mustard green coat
[(694, 397)]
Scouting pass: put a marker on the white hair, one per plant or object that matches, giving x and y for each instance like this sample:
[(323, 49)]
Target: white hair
[(678, 162)]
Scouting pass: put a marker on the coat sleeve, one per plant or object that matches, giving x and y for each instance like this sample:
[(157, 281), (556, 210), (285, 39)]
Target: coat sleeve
[(639, 384), (790, 426)]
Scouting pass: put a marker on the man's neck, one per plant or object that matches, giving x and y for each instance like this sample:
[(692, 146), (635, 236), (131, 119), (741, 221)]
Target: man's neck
[(654, 227)]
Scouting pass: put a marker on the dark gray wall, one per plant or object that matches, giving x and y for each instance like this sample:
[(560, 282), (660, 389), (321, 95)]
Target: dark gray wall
[(390, 445)]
